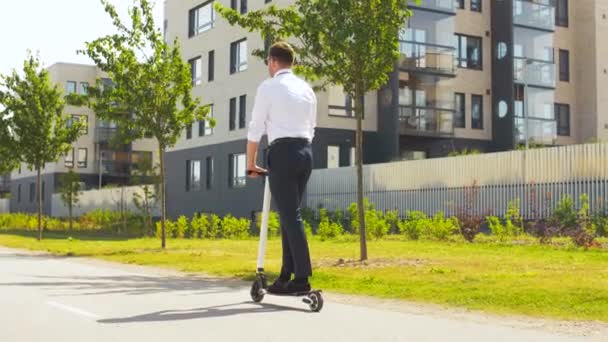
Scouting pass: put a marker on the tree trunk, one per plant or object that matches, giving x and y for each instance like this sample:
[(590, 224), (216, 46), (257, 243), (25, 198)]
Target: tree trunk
[(359, 161), (163, 207), (70, 205), (39, 193)]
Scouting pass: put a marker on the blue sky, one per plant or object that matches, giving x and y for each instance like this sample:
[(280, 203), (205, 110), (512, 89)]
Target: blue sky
[(55, 28)]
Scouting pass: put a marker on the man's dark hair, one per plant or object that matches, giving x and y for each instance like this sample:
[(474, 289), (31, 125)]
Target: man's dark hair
[(282, 52)]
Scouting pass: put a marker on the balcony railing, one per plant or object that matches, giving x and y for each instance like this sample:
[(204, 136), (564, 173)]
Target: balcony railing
[(106, 134), (533, 13), (426, 121), (437, 5), (426, 56), (116, 167), (541, 131), (536, 72)]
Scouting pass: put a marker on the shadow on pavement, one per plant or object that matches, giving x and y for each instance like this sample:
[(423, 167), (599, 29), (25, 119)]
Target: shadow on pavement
[(199, 313), (129, 285)]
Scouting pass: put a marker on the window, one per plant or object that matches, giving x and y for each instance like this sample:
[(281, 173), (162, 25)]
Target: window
[(165, 27), (211, 66), (42, 190), (468, 51), (201, 19), (234, 4), (204, 126), (84, 88), (341, 104), (71, 87), (333, 156), (242, 112), (561, 13), (69, 158), (193, 174), (459, 106), (82, 158), (564, 65), (232, 123), (82, 118), (189, 132), (196, 70), (562, 114), (353, 157), (209, 172), (243, 6), (477, 111), (237, 170), (19, 193), (238, 56), (476, 5), (32, 191), (459, 4)]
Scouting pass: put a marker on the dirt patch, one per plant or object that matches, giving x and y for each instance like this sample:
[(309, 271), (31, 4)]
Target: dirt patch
[(371, 263)]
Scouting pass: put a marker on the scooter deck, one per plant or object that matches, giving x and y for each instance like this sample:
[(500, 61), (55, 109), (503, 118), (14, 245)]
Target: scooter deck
[(294, 294)]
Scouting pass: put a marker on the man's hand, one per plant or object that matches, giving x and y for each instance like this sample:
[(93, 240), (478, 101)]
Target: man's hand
[(253, 171)]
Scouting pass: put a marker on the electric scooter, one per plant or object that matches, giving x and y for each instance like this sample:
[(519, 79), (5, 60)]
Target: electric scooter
[(259, 288)]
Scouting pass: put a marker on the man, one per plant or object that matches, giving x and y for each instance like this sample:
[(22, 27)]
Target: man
[(285, 109)]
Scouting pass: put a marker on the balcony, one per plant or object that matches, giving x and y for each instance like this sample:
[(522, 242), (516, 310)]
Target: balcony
[(105, 134), (435, 5), (116, 167), (534, 72), (541, 131), (534, 14), (425, 57), (426, 121)]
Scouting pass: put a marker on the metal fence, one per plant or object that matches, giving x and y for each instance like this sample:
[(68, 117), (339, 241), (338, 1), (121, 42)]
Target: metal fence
[(539, 178)]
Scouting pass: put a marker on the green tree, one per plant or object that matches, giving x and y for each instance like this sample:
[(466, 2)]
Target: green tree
[(353, 44), (41, 132), (70, 192), (146, 176), (150, 95), (8, 157)]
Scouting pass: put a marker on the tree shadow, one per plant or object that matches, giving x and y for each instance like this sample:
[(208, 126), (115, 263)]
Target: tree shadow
[(200, 313), (131, 285)]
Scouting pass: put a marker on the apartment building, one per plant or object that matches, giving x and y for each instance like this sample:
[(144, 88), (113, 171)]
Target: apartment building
[(94, 156), (476, 74), (5, 185)]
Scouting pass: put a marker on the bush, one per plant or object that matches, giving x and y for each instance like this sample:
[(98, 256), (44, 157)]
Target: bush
[(353, 212), (564, 214), (215, 229), (181, 227), (601, 226), (440, 228), (274, 224), (234, 228), (513, 223), (375, 225), (584, 233), (392, 219), (413, 225), (307, 229), (200, 226)]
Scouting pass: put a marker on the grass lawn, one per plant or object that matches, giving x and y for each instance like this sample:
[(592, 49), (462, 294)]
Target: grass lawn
[(544, 281)]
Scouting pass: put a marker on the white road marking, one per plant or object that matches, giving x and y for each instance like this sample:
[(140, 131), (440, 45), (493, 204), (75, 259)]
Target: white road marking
[(72, 310)]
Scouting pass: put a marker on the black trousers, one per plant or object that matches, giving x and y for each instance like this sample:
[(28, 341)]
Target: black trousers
[(289, 167)]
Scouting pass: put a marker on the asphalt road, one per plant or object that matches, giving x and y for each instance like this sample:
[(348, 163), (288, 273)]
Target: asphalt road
[(45, 298)]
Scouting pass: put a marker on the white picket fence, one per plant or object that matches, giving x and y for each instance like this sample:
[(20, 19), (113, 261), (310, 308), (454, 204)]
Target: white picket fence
[(538, 178), (100, 199)]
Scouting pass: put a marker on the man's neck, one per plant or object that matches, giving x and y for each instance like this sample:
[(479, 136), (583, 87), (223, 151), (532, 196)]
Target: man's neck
[(282, 71)]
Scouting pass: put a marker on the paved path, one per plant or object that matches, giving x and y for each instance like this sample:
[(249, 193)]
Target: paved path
[(44, 298)]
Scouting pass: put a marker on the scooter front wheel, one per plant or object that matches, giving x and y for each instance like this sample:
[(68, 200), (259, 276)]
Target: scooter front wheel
[(257, 293), (315, 300)]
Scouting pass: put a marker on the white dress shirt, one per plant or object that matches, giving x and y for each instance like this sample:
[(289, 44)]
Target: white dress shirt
[(285, 107)]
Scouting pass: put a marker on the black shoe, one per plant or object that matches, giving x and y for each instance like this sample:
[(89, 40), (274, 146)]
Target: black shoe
[(278, 287), (294, 287)]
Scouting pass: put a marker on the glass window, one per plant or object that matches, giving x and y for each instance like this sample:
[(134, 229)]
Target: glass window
[(209, 173), (189, 131), (211, 66), (204, 126), (469, 52), (561, 13), (477, 111), (71, 87), (194, 175), (242, 111), (19, 193), (459, 4), (238, 56), (238, 178), (476, 5), (564, 65), (32, 191), (459, 106), (562, 114), (84, 88), (340, 103), (196, 70), (232, 113), (69, 158), (82, 158), (333, 156), (201, 19)]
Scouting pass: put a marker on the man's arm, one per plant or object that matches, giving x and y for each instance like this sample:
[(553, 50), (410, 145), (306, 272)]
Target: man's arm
[(257, 127)]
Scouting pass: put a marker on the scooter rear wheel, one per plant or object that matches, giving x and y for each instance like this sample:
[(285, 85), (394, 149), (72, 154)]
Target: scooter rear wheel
[(316, 301)]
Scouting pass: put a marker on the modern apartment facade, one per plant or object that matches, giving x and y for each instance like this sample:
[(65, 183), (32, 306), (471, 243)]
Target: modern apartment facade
[(94, 156), (470, 73)]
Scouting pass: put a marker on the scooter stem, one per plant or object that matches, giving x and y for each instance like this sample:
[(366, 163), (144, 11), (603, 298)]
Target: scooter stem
[(264, 226)]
